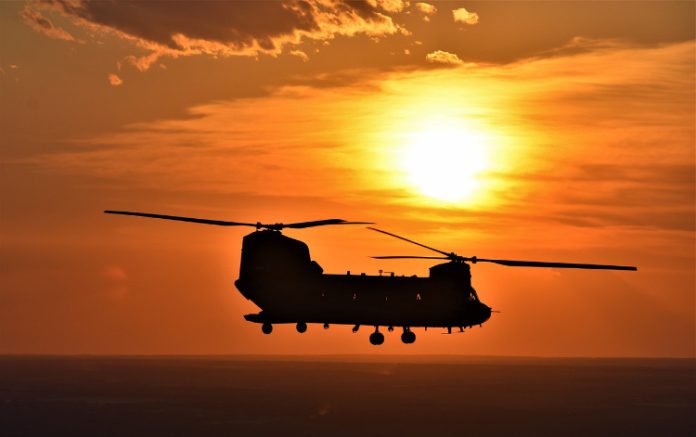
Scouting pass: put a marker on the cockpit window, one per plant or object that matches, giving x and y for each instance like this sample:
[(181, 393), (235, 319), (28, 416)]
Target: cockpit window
[(316, 267)]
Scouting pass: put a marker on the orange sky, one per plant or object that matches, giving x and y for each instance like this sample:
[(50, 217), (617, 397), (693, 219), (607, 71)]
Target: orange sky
[(577, 121)]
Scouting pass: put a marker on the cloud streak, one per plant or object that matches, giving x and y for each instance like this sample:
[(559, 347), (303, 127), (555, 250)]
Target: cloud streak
[(589, 147), (34, 19)]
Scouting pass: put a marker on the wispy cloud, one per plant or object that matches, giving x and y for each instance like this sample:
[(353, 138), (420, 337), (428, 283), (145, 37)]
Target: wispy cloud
[(114, 80), (300, 54), (33, 17)]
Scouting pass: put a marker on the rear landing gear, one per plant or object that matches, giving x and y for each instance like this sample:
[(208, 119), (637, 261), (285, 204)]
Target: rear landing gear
[(376, 338), (266, 328), (408, 336), (301, 327)]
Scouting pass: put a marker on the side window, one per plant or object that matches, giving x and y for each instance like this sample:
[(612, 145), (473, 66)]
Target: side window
[(418, 297)]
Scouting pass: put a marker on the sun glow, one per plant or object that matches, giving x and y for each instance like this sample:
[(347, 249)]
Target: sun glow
[(446, 162)]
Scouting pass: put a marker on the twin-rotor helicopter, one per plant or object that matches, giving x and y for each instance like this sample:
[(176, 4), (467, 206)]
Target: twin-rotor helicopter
[(279, 276)]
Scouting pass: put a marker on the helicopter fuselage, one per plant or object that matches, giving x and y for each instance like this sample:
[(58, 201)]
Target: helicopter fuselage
[(278, 275)]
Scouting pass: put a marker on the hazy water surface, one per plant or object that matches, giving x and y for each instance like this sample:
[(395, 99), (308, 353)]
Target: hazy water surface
[(345, 396)]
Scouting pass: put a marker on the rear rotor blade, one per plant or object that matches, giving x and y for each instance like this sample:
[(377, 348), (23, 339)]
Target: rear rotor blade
[(181, 219), (301, 225), (409, 257), (448, 255), (516, 263)]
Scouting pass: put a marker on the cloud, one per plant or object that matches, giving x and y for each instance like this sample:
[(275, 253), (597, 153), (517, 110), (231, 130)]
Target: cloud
[(300, 54), (426, 9), (461, 15), (592, 147), (443, 57), (224, 28), (389, 5), (43, 25), (143, 63), (115, 80)]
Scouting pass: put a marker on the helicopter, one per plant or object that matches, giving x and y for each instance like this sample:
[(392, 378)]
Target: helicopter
[(278, 275)]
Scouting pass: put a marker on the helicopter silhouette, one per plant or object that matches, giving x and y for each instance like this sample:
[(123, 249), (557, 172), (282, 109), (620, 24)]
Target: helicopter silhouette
[(278, 275)]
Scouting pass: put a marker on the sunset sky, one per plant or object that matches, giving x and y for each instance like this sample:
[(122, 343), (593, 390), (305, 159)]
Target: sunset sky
[(561, 131)]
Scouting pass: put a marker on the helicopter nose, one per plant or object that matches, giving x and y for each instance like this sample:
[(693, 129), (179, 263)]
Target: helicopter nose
[(485, 312)]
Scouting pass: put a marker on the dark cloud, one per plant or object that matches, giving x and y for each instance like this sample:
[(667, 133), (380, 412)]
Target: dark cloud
[(238, 24), (225, 28)]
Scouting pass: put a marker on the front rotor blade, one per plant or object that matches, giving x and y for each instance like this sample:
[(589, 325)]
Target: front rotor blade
[(181, 219), (514, 263), (301, 225), (448, 255), (409, 257)]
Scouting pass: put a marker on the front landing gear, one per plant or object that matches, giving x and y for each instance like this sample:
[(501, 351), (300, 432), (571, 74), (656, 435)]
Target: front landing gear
[(301, 327), (266, 328), (376, 338)]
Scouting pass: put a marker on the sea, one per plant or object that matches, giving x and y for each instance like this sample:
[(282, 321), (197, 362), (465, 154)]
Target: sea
[(345, 396)]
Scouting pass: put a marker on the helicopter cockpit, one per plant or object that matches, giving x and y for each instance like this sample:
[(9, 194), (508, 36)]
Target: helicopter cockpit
[(267, 253), (457, 272)]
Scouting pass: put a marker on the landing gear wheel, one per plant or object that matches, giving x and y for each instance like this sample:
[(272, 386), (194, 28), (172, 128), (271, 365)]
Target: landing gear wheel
[(376, 338), (408, 337), (301, 327), (266, 328)]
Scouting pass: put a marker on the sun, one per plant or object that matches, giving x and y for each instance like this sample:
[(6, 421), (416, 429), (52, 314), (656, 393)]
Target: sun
[(446, 162)]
